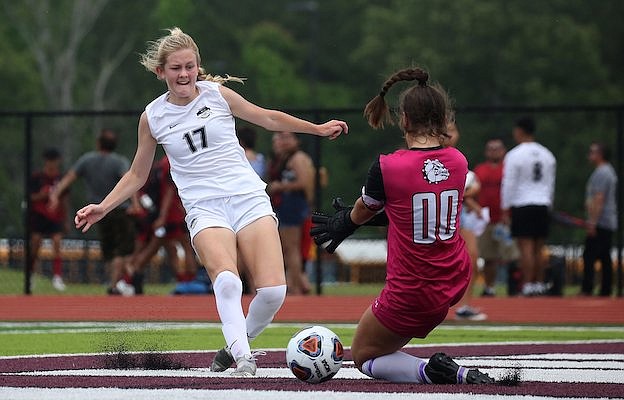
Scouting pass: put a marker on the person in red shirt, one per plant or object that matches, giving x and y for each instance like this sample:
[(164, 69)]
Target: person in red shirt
[(495, 244), (172, 226), (162, 225), (45, 220), (471, 219), (420, 190)]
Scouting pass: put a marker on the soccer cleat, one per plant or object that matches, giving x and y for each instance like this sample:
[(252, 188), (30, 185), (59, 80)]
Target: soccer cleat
[(222, 360), (245, 366), (58, 284), (468, 313), (124, 288), (441, 369)]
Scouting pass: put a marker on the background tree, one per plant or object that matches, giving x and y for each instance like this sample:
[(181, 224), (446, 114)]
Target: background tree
[(78, 54)]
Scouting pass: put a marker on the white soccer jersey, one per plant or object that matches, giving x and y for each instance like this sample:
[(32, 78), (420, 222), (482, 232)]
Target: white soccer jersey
[(528, 176), (200, 139)]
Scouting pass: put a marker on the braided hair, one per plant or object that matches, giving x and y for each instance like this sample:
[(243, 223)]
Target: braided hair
[(426, 107)]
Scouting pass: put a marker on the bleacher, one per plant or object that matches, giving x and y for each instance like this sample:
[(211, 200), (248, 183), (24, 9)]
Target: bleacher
[(360, 255), (82, 260)]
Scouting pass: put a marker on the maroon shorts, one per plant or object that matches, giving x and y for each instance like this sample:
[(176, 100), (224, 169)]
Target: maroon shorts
[(413, 322)]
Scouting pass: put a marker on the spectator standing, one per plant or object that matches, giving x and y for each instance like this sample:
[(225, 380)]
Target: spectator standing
[(495, 244), (101, 170), (469, 229), (162, 226), (601, 209), (291, 187), (247, 139), (527, 194), (44, 220)]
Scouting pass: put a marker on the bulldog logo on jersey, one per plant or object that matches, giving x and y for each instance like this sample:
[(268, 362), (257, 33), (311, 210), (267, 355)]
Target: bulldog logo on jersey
[(434, 171), (204, 112)]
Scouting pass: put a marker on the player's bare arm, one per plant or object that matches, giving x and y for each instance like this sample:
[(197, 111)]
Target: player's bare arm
[(273, 120), (360, 213)]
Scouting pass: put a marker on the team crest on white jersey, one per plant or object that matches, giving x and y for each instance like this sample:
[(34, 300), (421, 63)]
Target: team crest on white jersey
[(434, 171), (204, 112)]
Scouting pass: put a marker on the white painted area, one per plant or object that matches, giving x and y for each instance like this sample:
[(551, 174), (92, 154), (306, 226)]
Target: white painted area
[(562, 356), (563, 375), (345, 373), (194, 394), (428, 345), (604, 361), (588, 368)]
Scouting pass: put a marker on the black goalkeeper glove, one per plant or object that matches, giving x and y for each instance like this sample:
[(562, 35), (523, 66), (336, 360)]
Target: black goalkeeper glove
[(381, 219), (333, 229)]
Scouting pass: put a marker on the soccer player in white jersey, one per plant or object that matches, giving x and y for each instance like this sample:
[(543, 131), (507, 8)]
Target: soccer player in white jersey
[(527, 194), (228, 210)]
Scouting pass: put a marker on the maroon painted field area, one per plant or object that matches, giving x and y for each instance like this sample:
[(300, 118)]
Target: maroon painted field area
[(11, 367)]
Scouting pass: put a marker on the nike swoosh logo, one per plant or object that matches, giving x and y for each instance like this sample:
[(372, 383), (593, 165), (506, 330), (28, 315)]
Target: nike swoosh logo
[(173, 125)]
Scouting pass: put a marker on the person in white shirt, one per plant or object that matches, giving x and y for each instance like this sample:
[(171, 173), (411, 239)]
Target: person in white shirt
[(527, 194), (228, 210)]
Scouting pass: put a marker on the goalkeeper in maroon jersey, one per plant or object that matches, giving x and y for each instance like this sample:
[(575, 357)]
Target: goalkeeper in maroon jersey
[(420, 190)]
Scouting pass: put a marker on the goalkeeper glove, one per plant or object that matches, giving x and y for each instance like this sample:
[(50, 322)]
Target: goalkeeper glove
[(333, 229)]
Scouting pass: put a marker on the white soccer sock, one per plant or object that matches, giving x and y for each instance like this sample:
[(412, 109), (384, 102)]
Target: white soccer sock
[(263, 308), (397, 367), (228, 291)]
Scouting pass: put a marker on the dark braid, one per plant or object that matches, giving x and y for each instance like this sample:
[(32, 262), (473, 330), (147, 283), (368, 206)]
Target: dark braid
[(377, 111)]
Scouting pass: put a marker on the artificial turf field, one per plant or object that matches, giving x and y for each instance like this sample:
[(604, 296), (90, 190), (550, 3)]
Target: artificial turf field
[(61, 347)]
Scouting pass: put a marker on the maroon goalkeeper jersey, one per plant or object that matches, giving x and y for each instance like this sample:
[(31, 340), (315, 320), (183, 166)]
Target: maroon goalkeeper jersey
[(428, 267)]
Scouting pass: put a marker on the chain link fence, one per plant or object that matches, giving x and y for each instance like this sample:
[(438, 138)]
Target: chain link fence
[(566, 130)]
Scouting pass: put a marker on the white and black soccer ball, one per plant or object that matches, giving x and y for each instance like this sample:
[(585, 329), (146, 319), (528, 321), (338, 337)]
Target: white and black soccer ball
[(314, 354)]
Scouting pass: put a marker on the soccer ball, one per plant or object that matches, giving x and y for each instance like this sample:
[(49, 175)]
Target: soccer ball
[(314, 354)]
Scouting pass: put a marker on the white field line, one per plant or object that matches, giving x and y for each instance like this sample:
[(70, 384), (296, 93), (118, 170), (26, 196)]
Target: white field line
[(423, 345), (94, 327), (194, 394), (568, 371)]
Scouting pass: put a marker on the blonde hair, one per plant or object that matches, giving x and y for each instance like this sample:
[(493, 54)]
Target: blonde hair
[(158, 50)]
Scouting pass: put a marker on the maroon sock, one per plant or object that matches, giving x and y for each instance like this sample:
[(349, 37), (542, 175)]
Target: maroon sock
[(57, 266)]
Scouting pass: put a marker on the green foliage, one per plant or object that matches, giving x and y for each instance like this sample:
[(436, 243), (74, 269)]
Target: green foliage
[(269, 55), (299, 54), (491, 52), (486, 52)]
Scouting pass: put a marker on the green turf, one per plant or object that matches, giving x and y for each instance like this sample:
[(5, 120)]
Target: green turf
[(48, 339), (12, 283)]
